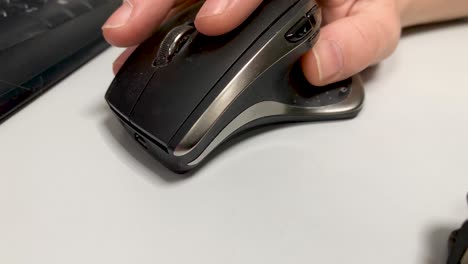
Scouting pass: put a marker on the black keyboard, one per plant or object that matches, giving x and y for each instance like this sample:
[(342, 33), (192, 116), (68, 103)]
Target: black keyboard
[(42, 41)]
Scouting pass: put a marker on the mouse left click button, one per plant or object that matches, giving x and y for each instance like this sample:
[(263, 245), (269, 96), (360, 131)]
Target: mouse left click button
[(300, 30)]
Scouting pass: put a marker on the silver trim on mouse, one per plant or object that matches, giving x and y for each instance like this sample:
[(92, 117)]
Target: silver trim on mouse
[(254, 68), (270, 108)]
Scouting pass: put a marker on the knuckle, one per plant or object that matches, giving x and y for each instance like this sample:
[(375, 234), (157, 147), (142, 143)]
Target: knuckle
[(389, 27), (383, 36)]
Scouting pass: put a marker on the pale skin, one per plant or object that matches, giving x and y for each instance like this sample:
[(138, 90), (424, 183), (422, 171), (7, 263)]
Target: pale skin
[(355, 34)]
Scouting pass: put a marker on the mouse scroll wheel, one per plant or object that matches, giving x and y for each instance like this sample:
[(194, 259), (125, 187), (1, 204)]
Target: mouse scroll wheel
[(174, 41)]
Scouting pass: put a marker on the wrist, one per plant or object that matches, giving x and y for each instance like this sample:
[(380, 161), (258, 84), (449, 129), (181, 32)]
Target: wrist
[(418, 12), (406, 16)]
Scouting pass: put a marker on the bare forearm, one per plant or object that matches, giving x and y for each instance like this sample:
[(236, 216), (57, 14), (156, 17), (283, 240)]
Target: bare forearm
[(417, 12)]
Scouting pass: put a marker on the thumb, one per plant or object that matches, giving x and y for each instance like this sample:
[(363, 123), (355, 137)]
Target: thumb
[(349, 45)]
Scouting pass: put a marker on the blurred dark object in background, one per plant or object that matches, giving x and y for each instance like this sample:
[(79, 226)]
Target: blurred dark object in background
[(43, 41)]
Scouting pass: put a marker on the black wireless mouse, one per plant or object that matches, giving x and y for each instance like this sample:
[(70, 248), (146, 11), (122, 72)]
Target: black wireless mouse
[(181, 94)]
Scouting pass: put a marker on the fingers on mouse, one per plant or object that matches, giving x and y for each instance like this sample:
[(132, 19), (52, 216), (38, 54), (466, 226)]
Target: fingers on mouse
[(182, 94)]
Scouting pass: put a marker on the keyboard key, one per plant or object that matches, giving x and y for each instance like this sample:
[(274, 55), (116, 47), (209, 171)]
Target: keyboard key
[(54, 17), (19, 28), (10, 8), (77, 7), (57, 12), (13, 10), (94, 3)]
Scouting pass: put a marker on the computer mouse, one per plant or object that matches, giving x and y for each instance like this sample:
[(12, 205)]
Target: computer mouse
[(181, 94)]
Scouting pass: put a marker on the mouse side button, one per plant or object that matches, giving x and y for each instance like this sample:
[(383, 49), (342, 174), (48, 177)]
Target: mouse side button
[(299, 31)]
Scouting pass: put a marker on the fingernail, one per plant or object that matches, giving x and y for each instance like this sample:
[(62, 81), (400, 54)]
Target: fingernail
[(120, 16), (329, 59), (213, 8)]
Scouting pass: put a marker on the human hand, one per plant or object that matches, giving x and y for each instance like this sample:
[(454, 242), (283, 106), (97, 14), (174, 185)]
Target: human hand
[(356, 33), (137, 20)]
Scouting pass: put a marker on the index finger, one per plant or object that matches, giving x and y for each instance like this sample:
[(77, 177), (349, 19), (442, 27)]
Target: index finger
[(135, 21)]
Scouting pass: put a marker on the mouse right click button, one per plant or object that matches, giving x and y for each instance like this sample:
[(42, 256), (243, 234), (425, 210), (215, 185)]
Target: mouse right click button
[(299, 31)]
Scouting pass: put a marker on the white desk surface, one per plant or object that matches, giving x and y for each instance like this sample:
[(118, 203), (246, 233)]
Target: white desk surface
[(386, 187)]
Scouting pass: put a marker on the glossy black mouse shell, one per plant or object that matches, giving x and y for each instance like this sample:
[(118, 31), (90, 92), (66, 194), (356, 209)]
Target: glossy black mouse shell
[(181, 94)]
